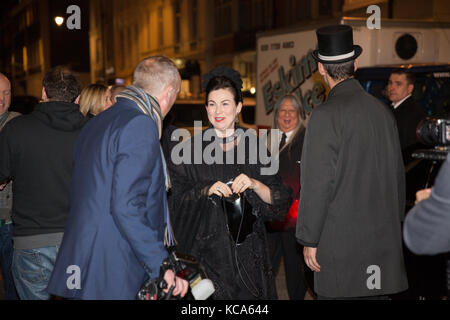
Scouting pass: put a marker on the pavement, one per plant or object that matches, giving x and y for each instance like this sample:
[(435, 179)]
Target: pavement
[(280, 283)]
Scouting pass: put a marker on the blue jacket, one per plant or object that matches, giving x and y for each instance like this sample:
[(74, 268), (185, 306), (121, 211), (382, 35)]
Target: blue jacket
[(118, 200)]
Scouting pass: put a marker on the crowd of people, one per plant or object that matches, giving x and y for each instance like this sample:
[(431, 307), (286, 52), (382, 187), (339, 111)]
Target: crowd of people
[(90, 200)]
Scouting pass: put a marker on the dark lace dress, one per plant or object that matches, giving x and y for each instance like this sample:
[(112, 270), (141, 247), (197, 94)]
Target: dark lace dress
[(240, 271)]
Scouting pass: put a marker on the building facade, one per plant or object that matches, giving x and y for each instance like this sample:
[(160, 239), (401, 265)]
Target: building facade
[(197, 34), (32, 43)]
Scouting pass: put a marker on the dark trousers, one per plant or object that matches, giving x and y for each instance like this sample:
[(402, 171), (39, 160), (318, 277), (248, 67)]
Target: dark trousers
[(6, 256), (283, 244)]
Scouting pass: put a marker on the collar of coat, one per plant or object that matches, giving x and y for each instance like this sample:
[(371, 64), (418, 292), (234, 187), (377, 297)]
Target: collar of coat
[(347, 85)]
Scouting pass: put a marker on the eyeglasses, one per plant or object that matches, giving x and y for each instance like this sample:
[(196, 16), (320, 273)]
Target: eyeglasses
[(288, 112)]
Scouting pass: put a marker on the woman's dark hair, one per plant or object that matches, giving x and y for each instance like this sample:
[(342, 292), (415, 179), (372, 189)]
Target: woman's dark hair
[(222, 82), (223, 78)]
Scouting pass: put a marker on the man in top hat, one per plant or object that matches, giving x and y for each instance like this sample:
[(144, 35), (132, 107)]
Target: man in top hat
[(352, 196)]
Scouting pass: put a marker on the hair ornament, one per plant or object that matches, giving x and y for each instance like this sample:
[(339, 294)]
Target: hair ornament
[(226, 72)]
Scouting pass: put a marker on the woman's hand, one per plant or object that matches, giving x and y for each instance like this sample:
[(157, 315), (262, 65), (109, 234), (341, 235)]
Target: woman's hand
[(221, 189), (242, 183)]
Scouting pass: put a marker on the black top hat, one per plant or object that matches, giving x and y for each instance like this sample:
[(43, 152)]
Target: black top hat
[(335, 44)]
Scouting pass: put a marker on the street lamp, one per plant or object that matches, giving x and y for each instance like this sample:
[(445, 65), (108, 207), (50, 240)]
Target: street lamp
[(59, 21)]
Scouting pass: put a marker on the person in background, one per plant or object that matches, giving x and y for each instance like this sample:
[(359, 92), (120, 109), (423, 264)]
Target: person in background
[(408, 113), (6, 197), (94, 99), (115, 90), (37, 154), (281, 234)]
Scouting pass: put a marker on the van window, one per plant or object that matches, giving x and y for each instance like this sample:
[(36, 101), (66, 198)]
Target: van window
[(431, 90)]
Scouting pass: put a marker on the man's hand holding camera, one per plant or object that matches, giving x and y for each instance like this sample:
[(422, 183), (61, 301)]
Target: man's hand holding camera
[(181, 285)]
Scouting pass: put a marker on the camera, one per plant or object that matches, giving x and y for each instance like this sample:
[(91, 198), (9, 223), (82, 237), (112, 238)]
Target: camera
[(185, 267), (433, 132)]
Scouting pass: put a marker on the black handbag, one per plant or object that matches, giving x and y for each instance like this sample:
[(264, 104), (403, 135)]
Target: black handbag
[(239, 216)]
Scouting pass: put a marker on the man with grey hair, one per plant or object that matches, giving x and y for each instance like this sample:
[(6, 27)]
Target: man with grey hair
[(6, 228), (114, 238)]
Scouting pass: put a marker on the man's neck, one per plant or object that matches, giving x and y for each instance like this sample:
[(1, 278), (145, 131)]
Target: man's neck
[(332, 83), (396, 104)]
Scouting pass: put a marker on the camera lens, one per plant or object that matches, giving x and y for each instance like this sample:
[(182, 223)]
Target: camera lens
[(428, 132)]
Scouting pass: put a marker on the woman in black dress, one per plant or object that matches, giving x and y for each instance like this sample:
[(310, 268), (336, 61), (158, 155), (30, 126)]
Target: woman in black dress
[(238, 264)]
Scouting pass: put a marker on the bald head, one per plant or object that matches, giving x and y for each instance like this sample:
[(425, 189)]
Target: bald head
[(5, 94)]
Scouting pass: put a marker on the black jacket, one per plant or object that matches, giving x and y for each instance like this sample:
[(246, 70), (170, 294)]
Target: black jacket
[(408, 115), (36, 152), (352, 197), (290, 162)]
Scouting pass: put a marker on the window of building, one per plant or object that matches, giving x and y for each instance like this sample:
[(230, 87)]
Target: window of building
[(255, 15), (160, 26), (303, 10), (177, 20), (244, 15), (194, 19), (325, 7), (147, 27), (260, 13), (223, 17)]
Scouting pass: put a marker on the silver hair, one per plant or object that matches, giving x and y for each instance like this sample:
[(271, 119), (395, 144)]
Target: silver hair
[(295, 104)]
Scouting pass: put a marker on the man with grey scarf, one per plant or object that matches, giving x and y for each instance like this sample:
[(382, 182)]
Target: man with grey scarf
[(114, 238)]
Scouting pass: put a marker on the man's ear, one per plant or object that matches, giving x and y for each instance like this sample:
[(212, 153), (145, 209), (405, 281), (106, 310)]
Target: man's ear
[(410, 88), (44, 95), (356, 63), (77, 100), (321, 69), (164, 100)]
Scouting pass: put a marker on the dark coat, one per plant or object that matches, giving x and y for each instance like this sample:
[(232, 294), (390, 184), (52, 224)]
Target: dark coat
[(408, 115), (290, 162), (117, 205), (289, 169), (352, 197)]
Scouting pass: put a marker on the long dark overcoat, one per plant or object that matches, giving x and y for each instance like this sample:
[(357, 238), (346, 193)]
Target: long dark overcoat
[(352, 197)]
